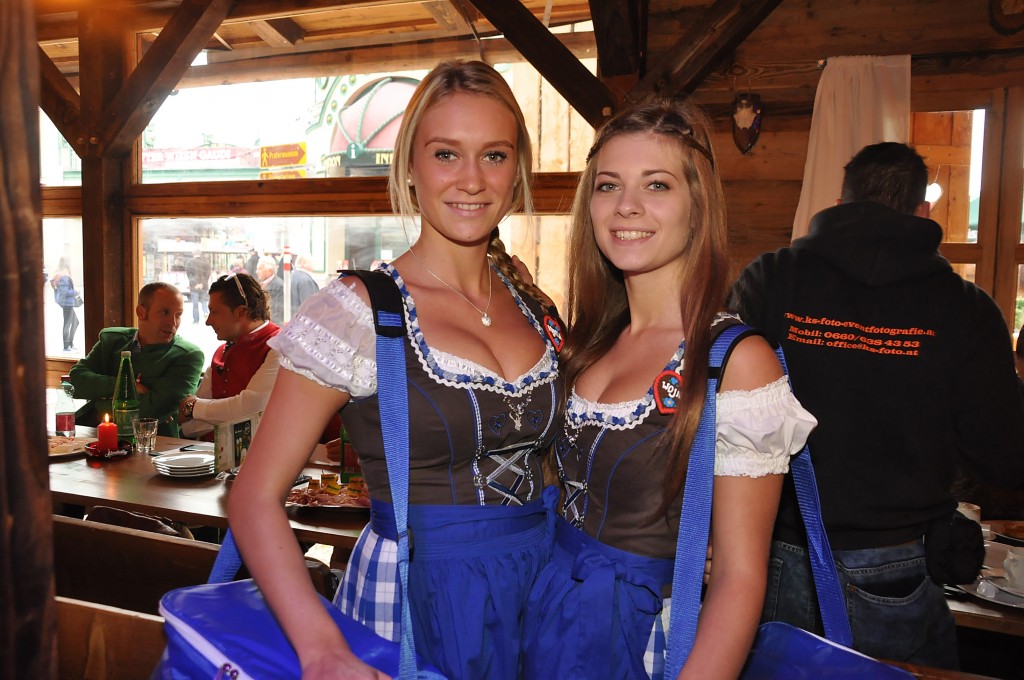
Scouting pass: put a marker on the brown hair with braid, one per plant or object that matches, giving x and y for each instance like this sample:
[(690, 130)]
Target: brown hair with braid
[(503, 261), (598, 308), (468, 77)]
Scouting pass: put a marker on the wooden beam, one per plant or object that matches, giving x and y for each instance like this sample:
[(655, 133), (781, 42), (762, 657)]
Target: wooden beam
[(106, 246), (221, 41), (697, 52), (552, 193), (222, 70), (28, 623), (57, 21), (620, 29), (1006, 275), (448, 17), (579, 86), (265, 9), (61, 103), (277, 32), (167, 60)]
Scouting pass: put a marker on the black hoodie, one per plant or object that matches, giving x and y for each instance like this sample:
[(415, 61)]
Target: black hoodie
[(906, 366)]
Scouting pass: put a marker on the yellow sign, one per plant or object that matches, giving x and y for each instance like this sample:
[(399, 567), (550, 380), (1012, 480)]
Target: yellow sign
[(295, 173), (283, 154)]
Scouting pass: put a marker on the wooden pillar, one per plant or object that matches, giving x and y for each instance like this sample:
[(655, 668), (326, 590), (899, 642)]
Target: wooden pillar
[(28, 626), (106, 249)]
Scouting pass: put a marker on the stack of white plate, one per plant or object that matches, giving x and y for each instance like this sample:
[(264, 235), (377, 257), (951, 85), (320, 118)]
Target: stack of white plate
[(185, 463)]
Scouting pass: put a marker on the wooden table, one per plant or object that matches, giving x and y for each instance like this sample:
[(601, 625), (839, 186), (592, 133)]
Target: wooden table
[(974, 612), (928, 673), (131, 483)]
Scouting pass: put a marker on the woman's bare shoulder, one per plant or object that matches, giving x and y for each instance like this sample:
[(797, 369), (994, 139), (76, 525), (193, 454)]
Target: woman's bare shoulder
[(356, 285), (752, 364)]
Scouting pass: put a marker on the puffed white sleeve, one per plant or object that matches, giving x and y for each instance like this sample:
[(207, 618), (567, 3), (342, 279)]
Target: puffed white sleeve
[(758, 430), (331, 340)]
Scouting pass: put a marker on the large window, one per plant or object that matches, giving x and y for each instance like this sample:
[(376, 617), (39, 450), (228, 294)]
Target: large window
[(318, 245), (975, 158), (59, 165), (63, 323), (952, 143), (339, 126)]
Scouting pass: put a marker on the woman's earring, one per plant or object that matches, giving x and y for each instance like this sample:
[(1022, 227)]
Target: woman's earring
[(408, 180)]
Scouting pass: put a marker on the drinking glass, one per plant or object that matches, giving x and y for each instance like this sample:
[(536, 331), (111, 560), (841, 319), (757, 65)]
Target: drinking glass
[(145, 434)]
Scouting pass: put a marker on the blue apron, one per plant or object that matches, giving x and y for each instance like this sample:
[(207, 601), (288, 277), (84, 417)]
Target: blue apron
[(471, 570), (591, 612)]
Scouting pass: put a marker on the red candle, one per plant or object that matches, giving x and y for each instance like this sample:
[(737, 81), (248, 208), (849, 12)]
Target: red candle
[(107, 433)]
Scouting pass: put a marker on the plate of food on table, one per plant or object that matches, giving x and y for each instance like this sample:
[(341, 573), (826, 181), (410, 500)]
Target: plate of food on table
[(60, 446), (1010, 532), (331, 491), (994, 589)]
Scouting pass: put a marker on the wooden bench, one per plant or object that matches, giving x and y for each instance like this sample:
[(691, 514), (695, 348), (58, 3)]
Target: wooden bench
[(106, 643), (124, 568)]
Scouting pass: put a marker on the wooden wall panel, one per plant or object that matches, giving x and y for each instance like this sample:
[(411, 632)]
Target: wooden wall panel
[(944, 141), (551, 272), (760, 217), (526, 81), (932, 128), (958, 214), (554, 130), (808, 30), (940, 209), (777, 156), (955, 54)]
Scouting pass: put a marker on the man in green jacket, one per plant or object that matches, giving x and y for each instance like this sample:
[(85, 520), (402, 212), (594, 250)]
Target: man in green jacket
[(167, 367)]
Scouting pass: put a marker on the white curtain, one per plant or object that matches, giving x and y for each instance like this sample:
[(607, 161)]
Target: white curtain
[(860, 101)]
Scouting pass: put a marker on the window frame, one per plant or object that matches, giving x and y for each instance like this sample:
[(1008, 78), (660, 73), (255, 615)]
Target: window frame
[(998, 251)]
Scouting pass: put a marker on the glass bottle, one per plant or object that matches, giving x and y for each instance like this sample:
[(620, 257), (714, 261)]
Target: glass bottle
[(125, 402), (349, 460), (65, 408)]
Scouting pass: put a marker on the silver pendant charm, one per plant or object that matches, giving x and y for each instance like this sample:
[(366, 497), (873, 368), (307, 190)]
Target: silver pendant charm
[(486, 320)]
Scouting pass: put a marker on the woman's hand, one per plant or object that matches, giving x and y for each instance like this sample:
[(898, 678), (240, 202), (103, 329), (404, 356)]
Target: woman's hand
[(333, 450), (524, 271), (338, 664), (707, 565)]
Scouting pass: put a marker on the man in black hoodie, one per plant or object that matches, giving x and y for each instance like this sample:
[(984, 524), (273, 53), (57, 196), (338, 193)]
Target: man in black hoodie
[(907, 368)]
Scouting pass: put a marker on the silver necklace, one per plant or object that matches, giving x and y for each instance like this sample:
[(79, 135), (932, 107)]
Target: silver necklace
[(485, 318)]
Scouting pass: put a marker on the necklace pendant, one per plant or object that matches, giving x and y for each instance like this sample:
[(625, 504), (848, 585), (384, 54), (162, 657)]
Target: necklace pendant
[(486, 320)]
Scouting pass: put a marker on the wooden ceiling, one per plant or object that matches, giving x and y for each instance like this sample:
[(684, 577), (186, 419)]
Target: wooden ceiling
[(246, 40), (262, 28)]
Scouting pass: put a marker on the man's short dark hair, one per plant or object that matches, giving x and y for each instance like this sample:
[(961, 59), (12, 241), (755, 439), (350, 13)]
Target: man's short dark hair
[(232, 287), (889, 173), (149, 290)]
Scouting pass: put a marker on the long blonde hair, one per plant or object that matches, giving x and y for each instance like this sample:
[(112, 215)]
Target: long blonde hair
[(470, 77), (598, 309)]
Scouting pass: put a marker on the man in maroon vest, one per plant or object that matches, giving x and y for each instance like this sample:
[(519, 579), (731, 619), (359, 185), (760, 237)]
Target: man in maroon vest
[(238, 382)]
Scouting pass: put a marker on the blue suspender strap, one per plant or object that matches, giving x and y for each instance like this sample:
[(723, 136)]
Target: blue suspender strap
[(228, 561), (826, 580), (393, 398), (695, 520), (393, 401)]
